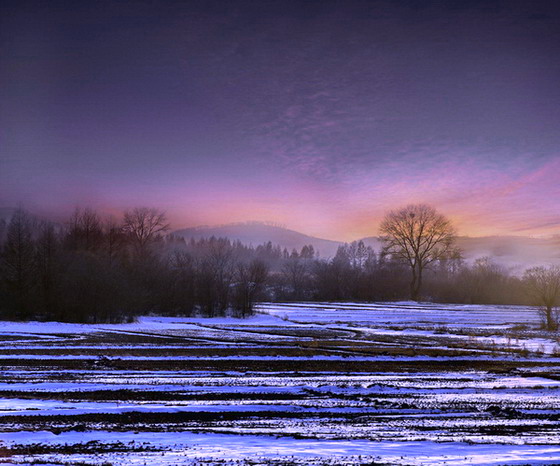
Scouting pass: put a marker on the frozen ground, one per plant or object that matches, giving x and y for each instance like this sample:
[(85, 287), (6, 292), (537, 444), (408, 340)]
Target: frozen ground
[(341, 383)]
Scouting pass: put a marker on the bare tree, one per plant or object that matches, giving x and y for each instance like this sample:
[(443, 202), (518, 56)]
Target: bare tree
[(418, 235), (358, 253), (18, 261), (221, 261), (47, 259), (484, 281), (143, 225), (295, 270), (182, 282), (543, 284), (84, 230), (114, 239), (251, 278)]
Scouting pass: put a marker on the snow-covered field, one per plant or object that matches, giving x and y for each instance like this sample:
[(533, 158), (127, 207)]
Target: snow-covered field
[(307, 383)]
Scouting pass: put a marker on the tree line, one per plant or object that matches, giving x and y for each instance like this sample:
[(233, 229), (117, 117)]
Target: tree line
[(93, 269)]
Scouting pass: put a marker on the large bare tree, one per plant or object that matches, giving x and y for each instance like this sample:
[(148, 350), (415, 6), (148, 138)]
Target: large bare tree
[(543, 284), (418, 235), (142, 225)]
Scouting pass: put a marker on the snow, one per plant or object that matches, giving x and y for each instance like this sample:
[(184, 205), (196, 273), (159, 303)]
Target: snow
[(186, 447), (145, 323), (439, 320), (427, 411), (403, 313)]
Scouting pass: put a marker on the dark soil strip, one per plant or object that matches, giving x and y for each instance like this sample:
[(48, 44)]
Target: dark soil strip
[(271, 365)]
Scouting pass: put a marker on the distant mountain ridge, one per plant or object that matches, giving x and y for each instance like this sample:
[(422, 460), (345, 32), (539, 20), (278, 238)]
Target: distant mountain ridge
[(255, 233), (510, 251)]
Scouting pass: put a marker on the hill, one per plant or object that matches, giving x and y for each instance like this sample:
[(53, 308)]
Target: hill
[(510, 251), (255, 233)]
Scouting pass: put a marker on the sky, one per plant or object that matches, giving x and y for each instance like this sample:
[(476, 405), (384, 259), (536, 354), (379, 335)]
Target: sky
[(317, 115)]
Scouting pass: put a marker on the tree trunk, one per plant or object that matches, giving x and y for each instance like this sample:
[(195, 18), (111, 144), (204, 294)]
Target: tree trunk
[(550, 324), (418, 284), (414, 285)]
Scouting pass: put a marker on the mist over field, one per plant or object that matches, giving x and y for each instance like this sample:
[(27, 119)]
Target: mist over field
[(511, 251)]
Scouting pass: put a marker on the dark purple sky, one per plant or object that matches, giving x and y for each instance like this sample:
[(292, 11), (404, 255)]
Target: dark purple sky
[(319, 115)]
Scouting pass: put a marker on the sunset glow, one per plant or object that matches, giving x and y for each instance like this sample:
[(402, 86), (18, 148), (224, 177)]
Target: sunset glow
[(317, 116)]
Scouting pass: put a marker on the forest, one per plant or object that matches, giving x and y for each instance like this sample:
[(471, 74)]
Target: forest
[(92, 269)]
